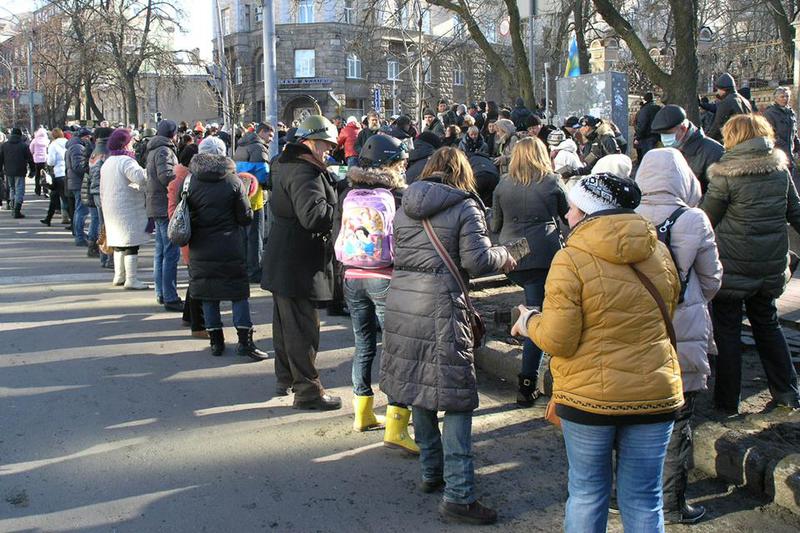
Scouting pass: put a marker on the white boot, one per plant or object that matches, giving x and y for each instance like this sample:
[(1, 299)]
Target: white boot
[(131, 267), (119, 269)]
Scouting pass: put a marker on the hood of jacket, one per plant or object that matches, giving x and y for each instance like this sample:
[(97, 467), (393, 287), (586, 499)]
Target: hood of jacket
[(399, 133), (422, 150), (519, 103), (158, 141), (425, 198), (40, 133), (60, 142), (250, 138), (209, 167), (605, 129), (621, 237), (70, 143), (375, 177), (352, 126), (754, 156), (664, 175), (14, 139), (567, 145)]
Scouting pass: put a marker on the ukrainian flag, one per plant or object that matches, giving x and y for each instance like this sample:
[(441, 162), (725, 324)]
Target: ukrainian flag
[(573, 63)]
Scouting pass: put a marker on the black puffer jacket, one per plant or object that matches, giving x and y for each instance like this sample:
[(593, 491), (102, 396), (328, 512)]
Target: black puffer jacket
[(77, 161), (486, 175), (427, 342), (750, 199), (297, 259), (520, 114), (15, 158), (417, 159), (700, 152), (252, 149), (218, 207), (532, 211), (733, 104), (161, 161), (644, 119)]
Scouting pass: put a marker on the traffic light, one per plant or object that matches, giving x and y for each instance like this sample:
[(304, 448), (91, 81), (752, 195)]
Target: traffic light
[(158, 117)]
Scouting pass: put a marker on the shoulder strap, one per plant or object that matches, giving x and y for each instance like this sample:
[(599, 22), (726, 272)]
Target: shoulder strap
[(448, 261), (662, 306), (186, 183), (665, 228)]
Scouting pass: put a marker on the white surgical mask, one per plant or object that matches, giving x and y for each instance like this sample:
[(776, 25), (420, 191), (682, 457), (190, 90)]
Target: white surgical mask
[(669, 140)]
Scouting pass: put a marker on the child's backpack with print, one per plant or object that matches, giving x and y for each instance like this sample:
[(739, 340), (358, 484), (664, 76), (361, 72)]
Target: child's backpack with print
[(365, 238)]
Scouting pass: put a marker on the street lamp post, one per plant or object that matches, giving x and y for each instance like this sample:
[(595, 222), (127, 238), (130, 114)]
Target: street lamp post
[(13, 88), (30, 85), (270, 71)]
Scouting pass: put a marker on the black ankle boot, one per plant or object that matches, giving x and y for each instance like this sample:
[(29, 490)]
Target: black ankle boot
[(18, 211), (45, 221), (246, 346), (688, 514), (217, 338), (527, 393), (92, 250)]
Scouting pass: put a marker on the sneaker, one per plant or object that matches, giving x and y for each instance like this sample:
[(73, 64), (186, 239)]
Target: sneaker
[(473, 513)]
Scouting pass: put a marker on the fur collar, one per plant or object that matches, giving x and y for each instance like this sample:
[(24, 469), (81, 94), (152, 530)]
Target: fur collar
[(380, 177), (755, 164), (215, 165)]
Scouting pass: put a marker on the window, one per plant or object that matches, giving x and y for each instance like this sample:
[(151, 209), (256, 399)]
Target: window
[(426, 69), (225, 21), (458, 75), (304, 63), (305, 11), (260, 69), (247, 17), (259, 13), (490, 32), (353, 66), (426, 21), (237, 75), (458, 26), (393, 71)]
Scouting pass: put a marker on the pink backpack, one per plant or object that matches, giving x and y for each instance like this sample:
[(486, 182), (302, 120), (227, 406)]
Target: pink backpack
[(365, 239)]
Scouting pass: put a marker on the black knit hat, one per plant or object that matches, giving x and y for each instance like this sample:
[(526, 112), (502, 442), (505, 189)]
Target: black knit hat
[(430, 138)]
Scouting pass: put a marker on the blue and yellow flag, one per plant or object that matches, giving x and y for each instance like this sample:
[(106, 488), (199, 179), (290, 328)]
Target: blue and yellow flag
[(573, 63)]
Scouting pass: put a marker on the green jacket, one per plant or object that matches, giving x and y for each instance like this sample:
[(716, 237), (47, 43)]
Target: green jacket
[(750, 199)]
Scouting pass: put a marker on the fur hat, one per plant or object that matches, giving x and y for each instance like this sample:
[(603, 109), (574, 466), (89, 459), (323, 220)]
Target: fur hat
[(601, 192)]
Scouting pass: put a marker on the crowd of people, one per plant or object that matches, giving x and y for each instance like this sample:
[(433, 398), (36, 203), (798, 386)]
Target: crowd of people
[(635, 283)]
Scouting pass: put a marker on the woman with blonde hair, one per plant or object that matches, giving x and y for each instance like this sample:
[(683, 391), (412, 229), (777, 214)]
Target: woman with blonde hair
[(529, 202), (428, 340), (749, 200)]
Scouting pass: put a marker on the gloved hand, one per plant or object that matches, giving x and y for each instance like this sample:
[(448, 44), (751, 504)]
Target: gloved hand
[(520, 328)]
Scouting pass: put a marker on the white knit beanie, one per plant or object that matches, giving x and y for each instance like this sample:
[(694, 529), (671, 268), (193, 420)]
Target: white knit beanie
[(601, 192)]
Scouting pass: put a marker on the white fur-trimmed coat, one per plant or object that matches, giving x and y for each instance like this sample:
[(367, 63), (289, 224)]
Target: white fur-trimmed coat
[(122, 196)]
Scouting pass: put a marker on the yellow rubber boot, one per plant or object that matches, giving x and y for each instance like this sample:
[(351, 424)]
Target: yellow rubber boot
[(396, 435), (365, 416)]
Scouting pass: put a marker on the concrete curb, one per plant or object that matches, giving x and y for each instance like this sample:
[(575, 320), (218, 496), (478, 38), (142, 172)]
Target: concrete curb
[(738, 457), (728, 453)]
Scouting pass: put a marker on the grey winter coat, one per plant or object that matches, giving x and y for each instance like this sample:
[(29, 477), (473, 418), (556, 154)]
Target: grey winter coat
[(784, 122), (733, 104), (668, 184), (531, 211), (77, 161), (99, 155), (427, 341), (161, 161), (750, 198), (700, 152)]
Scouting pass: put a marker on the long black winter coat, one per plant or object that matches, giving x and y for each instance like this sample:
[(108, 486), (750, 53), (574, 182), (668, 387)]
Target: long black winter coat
[(218, 207), (733, 104), (76, 159), (784, 123), (15, 158), (701, 152), (520, 114), (427, 356), (486, 175), (532, 211), (161, 161), (644, 119), (417, 159), (297, 259)]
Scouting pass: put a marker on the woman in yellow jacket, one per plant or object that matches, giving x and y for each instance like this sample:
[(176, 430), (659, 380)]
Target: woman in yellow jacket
[(616, 379)]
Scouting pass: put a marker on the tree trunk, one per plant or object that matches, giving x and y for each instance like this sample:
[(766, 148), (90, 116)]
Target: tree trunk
[(579, 9), (525, 78), (783, 21), (131, 104), (90, 103), (683, 81)]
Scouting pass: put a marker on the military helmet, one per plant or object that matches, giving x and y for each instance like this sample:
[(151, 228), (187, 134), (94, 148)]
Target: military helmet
[(381, 150), (149, 132), (317, 127)]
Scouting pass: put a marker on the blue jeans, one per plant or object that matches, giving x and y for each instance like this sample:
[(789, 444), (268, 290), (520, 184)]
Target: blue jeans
[(79, 218), (640, 463), (254, 245), (366, 299), (447, 455), (241, 314), (532, 282), (165, 263), (94, 224), (16, 189)]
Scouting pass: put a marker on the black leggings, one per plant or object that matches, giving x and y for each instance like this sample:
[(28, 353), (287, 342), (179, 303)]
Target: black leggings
[(56, 190), (127, 250)]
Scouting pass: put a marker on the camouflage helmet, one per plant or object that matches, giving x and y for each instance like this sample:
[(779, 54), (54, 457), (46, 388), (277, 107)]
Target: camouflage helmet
[(317, 127), (148, 132)]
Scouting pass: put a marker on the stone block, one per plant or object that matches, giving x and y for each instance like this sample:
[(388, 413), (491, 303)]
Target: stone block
[(784, 483)]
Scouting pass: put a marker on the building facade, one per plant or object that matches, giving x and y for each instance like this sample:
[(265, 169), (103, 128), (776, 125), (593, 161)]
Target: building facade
[(337, 57)]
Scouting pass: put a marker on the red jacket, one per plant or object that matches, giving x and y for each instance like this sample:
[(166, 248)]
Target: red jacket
[(174, 190), (347, 139)]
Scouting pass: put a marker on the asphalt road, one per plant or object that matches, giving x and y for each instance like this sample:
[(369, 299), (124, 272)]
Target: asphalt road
[(112, 418)]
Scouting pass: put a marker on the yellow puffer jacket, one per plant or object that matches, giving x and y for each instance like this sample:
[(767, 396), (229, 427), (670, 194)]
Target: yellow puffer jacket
[(611, 354)]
